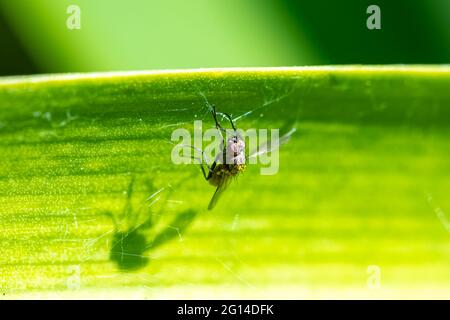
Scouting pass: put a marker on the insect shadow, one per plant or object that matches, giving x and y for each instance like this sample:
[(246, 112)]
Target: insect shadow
[(129, 247)]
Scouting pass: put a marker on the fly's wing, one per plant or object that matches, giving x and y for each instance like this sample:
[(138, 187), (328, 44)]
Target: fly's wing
[(265, 148), (224, 183)]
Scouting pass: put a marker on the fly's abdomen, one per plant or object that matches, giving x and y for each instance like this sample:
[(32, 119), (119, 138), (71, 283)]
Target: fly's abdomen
[(218, 174)]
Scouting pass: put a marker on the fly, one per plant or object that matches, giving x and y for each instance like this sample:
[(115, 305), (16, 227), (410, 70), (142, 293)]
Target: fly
[(220, 173)]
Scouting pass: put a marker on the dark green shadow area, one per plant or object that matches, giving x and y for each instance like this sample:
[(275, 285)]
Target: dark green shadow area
[(412, 31), (129, 248), (14, 58)]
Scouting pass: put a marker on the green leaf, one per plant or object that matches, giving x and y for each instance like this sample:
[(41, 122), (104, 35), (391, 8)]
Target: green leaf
[(91, 204)]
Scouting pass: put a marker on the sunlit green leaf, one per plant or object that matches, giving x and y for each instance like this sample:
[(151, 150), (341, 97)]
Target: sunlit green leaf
[(91, 204)]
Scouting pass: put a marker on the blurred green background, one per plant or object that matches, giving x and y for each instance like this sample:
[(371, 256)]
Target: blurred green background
[(150, 34)]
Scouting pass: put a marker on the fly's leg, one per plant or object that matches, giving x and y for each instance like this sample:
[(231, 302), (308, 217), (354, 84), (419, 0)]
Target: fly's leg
[(214, 114), (230, 119), (207, 176), (205, 161), (218, 126), (210, 168)]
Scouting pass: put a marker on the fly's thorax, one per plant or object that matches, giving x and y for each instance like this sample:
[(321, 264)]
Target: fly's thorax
[(239, 159), (235, 150), (235, 145)]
